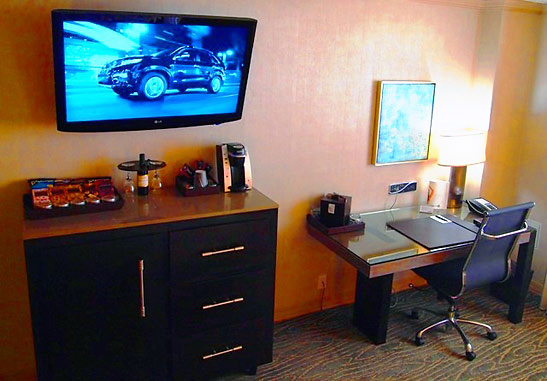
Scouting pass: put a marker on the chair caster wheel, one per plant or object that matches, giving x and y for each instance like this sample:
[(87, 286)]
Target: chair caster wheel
[(470, 356), (492, 335), (414, 314), (419, 341)]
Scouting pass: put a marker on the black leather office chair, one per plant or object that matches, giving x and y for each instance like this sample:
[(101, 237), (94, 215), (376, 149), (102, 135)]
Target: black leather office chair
[(488, 262)]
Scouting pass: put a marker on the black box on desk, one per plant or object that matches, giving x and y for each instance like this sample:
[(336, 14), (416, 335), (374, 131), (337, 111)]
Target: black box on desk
[(335, 210)]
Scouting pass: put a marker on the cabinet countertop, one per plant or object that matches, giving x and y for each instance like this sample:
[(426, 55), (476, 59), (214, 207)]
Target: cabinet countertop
[(166, 205)]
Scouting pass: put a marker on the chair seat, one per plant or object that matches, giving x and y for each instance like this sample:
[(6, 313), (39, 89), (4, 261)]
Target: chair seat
[(445, 277)]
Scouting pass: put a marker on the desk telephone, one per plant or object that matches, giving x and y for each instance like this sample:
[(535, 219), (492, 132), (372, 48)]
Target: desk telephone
[(480, 205)]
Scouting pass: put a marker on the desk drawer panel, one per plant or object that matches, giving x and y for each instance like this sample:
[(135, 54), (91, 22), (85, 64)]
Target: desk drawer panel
[(203, 305), (236, 347), (202, 252)]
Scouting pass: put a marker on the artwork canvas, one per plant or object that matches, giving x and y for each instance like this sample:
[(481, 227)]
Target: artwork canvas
[(403, 122)]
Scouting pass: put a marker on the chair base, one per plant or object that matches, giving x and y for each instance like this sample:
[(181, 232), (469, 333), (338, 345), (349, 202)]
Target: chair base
[(455, 322), (415, 313)]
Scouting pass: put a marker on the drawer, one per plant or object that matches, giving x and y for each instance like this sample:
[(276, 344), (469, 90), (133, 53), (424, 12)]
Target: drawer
[(203, 252), (233, 348), (204, 305)]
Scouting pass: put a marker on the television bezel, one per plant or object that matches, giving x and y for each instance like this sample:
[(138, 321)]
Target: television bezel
[(58, 16)]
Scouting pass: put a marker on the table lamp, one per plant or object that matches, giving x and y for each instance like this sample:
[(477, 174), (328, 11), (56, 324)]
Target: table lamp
[(458, 150)]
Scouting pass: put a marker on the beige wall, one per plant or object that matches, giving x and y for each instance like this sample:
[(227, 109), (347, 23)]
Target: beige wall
[(516, 169), (538, 120), (533, 164), (307, 122)]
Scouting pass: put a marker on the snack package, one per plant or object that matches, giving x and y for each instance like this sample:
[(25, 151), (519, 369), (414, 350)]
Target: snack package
[(106, 191), (40, 183), (40, 198), (58, 196), (75, 195), (91, 194)]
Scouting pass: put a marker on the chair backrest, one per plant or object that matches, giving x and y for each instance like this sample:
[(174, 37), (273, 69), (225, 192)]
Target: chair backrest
[(489, 258)]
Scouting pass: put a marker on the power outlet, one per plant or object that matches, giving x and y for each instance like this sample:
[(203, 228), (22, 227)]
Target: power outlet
[(408, 186), (321, 282)]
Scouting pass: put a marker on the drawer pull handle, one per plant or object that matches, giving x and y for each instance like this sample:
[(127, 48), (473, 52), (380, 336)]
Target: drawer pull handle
[(237, 300), (141, 271), (209, 253), (238, 348)]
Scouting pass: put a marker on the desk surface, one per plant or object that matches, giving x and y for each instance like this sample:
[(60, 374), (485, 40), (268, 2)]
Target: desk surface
[(380, 250), (380, 243)]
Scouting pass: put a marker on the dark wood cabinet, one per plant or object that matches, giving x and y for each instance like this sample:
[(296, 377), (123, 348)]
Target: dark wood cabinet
[(169, 295)]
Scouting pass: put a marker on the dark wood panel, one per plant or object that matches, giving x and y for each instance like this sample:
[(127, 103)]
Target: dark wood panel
[(205, 305), (240, 347), (205, 252), (371, 309), (90, 325)]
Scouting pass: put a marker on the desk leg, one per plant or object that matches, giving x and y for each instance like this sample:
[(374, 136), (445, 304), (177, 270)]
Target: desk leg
[(371, 309), (514, 290)]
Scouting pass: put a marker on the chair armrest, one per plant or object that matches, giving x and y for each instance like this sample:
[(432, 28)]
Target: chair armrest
[(515, 232)]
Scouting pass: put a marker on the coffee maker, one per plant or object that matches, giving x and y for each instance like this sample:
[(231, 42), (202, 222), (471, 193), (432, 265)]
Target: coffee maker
[(233, 167)]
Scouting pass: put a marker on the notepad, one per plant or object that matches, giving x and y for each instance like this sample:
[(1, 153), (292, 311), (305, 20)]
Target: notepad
[(435, 232)]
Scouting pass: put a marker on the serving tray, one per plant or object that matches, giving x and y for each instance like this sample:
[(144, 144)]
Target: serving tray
[(33, 213), (352, 226), (188, 190)]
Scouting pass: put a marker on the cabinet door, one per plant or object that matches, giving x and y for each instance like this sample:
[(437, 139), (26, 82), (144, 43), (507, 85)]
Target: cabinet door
[(95, 328)]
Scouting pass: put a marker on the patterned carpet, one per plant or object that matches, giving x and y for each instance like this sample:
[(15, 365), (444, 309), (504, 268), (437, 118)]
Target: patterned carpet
[(326, 346)]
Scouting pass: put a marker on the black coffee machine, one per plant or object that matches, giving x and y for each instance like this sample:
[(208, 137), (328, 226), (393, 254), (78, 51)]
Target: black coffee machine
[(233, 167)]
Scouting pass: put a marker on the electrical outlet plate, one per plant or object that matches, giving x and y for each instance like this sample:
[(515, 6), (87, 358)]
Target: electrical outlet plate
[(407, 186)]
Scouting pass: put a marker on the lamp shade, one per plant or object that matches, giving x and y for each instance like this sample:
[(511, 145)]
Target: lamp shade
[(462, 149)]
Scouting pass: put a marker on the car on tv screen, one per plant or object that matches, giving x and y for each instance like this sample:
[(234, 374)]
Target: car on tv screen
[(150, 76)]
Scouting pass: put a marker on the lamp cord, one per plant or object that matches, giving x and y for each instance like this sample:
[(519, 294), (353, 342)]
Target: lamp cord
[(322, 296), (394, 201)]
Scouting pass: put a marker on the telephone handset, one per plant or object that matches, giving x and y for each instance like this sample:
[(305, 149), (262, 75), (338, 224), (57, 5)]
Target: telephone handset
[(480, 205)]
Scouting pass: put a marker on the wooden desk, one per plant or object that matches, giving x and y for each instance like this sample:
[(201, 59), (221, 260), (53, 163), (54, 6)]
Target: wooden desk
[(379, 252)]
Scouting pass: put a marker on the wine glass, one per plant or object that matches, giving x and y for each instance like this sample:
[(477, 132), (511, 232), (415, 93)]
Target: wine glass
[(128, 185), (156, 181)]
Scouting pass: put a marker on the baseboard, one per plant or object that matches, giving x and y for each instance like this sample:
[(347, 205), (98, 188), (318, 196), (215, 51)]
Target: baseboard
[(307, 309), (535, 288)]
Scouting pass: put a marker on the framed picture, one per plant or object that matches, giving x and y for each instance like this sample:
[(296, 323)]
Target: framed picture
[(403, 122)]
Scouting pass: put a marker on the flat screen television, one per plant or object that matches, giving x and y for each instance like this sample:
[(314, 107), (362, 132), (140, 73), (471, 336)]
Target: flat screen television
[(125, 71)]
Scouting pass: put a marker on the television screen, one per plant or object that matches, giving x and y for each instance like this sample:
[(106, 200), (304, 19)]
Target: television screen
[(119, 71)]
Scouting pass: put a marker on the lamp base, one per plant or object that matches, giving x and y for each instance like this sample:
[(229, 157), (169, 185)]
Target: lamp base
[(456, 187)]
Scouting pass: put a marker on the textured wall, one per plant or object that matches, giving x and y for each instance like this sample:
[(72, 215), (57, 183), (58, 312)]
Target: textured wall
[(307, 122), (516, 169)]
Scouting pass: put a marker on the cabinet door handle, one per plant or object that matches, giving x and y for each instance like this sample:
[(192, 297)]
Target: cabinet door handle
[(209, 253), (237, 300), (141, 271), (238, 348)]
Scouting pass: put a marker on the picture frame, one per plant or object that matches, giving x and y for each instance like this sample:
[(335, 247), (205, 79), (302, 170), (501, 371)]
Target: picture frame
[(403, 122)]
